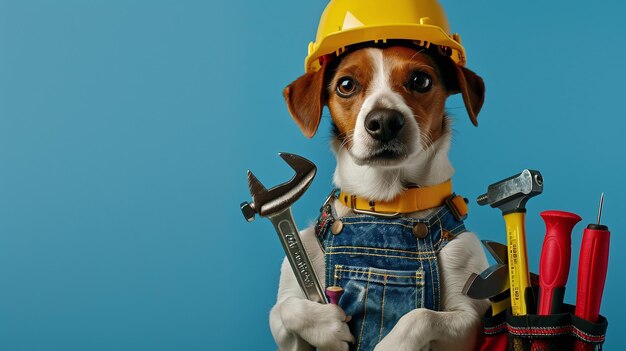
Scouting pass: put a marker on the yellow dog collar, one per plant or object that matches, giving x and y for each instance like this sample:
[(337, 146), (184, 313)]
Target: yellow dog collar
[(411, 200)]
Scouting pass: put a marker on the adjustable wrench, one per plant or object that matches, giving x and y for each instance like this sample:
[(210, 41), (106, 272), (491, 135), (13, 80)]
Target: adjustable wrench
[(275, 204)]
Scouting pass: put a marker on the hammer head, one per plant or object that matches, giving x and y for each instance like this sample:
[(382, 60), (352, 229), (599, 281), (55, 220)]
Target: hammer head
[(266, 202), (511, 194)]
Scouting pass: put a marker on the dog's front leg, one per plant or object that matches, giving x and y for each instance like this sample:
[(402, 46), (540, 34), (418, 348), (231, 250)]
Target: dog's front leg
[(457, 326), (298, 324)]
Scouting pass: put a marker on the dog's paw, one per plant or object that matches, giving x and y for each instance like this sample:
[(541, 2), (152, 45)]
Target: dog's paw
[(409, 334), (321, 325)]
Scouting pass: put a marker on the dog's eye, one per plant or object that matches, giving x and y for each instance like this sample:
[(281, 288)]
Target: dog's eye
[(346, 87), (420, 82)]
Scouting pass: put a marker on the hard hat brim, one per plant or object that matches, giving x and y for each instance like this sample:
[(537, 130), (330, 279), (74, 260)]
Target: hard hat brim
[(338, 41)]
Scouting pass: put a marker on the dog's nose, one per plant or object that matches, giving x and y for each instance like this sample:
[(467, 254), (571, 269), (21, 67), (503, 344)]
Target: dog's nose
[(384, 124)]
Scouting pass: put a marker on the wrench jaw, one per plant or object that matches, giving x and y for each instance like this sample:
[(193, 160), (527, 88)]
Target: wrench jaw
[(284, 195), (494, 280), (257, 189), (266, 202), (491, 282), (299, 164), (498, 251), (249, 209)]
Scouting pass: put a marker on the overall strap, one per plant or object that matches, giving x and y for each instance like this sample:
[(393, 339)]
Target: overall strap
[(328, 215), (454, 206)]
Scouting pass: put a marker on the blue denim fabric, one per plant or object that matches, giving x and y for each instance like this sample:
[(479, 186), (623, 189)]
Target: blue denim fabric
[(384, 269)]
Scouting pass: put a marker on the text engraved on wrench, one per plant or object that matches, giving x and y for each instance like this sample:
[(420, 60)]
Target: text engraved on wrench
[(295, 249)]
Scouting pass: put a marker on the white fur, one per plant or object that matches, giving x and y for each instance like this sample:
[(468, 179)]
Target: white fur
[(421, 167), (298, 324), (429, 167), (380, 95)]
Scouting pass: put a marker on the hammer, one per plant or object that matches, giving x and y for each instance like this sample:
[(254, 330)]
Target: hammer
[(275, 204), (510, 196)]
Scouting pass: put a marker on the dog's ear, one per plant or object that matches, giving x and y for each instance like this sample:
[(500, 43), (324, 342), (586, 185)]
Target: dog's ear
[(306, 98), (472, 89), (459, 79)]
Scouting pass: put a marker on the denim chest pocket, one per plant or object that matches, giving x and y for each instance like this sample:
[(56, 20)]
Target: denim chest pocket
[(376, 299)]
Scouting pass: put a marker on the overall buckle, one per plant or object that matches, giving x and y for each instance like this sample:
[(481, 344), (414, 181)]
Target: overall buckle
[(458, 206)]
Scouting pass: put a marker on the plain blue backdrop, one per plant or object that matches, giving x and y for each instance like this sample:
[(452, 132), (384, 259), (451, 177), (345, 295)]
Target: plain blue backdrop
[(127, 127)]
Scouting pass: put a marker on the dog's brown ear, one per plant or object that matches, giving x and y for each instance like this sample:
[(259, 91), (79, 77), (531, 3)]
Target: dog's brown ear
[(305, 99), (472, 89), (459, 79)]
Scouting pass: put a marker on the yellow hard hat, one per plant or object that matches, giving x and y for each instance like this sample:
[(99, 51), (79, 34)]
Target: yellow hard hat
[(348, 22)]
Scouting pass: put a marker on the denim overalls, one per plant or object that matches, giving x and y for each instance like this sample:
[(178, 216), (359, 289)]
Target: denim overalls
[(386, 266)]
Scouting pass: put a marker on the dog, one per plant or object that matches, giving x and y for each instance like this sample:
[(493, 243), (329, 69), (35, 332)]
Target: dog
[(390, 130)]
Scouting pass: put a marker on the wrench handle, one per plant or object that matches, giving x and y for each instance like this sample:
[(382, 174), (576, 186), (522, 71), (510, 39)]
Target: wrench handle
[(519, 276), (297, 256)]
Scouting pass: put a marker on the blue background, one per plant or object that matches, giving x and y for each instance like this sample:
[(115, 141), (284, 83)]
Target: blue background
[(127, 127)]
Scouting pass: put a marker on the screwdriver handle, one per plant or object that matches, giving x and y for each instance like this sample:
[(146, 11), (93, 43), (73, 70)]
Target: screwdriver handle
[(556, 255), (334, 293), (592, 268)]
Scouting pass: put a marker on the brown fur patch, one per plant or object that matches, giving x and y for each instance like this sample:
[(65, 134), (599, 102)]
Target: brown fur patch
[(428, 107), (308, 94), (344, 111)]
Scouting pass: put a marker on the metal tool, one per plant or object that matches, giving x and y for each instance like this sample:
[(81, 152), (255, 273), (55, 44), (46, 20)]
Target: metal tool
[(275, 204), (592, 267), (493, 282), (510, 196), (556, 255)]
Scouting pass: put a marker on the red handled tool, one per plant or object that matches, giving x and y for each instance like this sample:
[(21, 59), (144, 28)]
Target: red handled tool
[(556, 255), (592, 267)]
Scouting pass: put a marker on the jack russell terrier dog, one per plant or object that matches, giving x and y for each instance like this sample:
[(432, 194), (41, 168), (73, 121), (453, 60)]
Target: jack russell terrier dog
[(401, 274)]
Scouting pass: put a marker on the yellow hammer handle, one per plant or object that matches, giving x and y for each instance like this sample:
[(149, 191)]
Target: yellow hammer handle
[(519, 275)]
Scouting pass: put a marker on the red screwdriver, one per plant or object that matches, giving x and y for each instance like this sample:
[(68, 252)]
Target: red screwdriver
[(592, 267), (556, 254)]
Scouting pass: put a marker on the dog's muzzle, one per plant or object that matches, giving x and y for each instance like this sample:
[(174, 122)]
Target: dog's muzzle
[(384, 124)]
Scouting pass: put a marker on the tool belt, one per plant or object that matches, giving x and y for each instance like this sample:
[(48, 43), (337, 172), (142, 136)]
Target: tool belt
[(532, 332)]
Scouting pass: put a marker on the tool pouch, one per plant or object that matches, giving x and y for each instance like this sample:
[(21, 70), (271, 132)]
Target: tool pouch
[(531, 332), (495, 334)]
